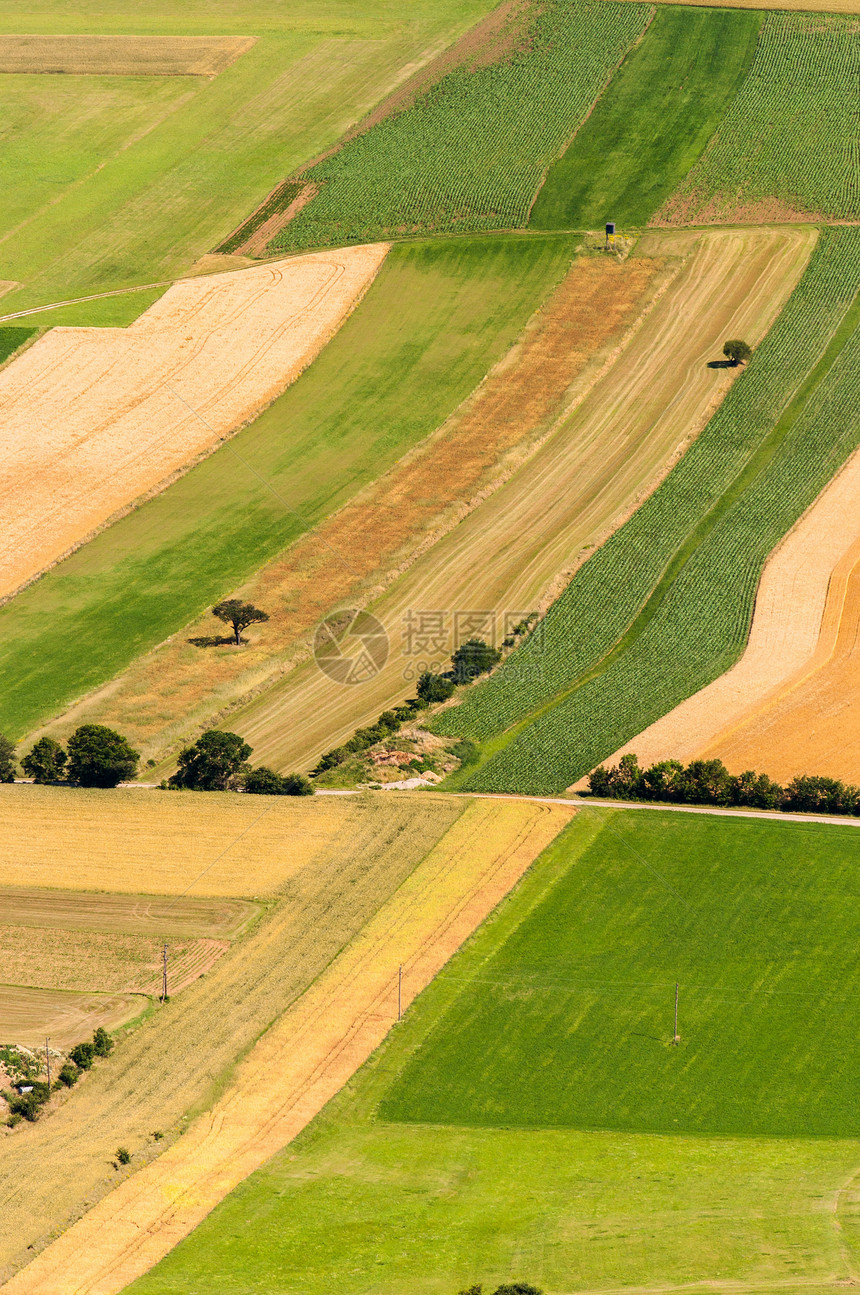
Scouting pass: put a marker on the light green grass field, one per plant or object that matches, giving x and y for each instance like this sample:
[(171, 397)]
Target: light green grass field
[(371, 1207), (114, 181), (652, 122), (437, 317)]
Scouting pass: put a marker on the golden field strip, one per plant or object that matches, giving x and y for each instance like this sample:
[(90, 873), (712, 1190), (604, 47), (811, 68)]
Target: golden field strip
[(178, 1058), (551, 478), (171, 843), (306, 1057), (94, 418), (788, 706), (128, 914), (28, 1015), (121, 55)]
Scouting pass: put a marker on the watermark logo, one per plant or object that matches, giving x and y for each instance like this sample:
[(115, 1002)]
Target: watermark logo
[(351, 646)]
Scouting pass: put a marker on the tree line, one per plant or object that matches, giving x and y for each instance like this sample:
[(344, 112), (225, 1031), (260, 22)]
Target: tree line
[(708, 782)]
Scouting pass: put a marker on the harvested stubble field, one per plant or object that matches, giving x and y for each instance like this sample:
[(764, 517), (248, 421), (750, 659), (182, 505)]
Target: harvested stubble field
[(122, 55), (148, 915), (95, 418), (171, 843), (436, 318), (652, 122), (470, 153), (564, 1209), (97, 961), (684, 569), (786, 149), (290, 1073), (114, 181), (609, 446), (803, 630), (28, 1015)]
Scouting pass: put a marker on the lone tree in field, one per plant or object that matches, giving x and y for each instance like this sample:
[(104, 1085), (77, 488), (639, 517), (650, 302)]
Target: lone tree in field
[(7, 759), (737, 351), (473, 658), (99, 757), (46, 761), (238, 614), (215, 762)]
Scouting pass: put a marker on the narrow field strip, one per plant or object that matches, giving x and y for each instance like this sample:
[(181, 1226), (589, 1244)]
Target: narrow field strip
[(614, 445), (303, 1060), (122, 55), (94, 418), (652, 122), (691, 556), (796, 625), (178, 1058), (130, 914), (27, 1015)]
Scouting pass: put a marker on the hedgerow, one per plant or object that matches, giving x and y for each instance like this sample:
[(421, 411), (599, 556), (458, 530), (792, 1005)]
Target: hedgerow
[(792, 132), (470, 153), (665, 605)]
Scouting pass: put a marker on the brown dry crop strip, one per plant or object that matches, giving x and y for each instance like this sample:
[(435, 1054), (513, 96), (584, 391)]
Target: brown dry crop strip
[(306, 1057), (153, 915), (93, 418), (122, 55), (27, 1015)]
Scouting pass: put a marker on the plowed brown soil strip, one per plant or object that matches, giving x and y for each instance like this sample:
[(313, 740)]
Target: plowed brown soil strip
[(93, 418), (179, 1057), (306, 1057), (122, 55), (423, 494), (802, 633)]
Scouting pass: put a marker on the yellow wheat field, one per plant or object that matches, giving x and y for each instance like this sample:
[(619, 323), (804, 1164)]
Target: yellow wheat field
[(122, 55), (307, 1056), (165, 843), (91, 419)]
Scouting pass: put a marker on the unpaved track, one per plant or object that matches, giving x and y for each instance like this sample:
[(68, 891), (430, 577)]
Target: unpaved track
[(305, 1058), (91, 419), (580, 483), (802, 642)]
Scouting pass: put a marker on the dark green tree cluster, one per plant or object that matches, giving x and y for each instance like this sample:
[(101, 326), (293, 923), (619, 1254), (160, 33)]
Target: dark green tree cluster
[(28, 1105), (508, 1288), (95, 756), (708, 782), (218, 761), (390, 721)]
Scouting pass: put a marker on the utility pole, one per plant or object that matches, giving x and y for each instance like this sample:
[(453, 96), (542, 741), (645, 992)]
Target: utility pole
[(675, 1038), (399, 990), (164, 974), (48, 1061)]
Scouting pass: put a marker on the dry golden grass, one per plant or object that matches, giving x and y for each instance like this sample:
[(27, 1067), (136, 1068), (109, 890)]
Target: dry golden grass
[(97, 962), (181, 1055), (152, 915), (307, 1056), (122, 55), (28, 1015), (167, 843), (95, 418)]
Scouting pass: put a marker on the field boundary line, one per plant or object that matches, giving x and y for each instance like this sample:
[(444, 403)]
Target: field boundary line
[(303, 1060)]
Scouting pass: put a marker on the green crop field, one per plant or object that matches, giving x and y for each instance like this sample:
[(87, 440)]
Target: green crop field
[(471, 153), (435, 319), (653, 122), (789, 141), (115, 181), (664, 606), (559, 1013), (11, 339)]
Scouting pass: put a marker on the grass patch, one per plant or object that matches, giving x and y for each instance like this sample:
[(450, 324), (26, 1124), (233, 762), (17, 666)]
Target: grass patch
[(683, 571), (11, 339), (432, 1208), (653, 121), (471, 151), (435, 320), (787, 145)]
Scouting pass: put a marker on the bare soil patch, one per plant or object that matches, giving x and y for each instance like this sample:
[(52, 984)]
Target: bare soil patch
[(122, 55), (179, 1058), (28, 1015), (93, 419), (307, 1056), (152, 915)]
